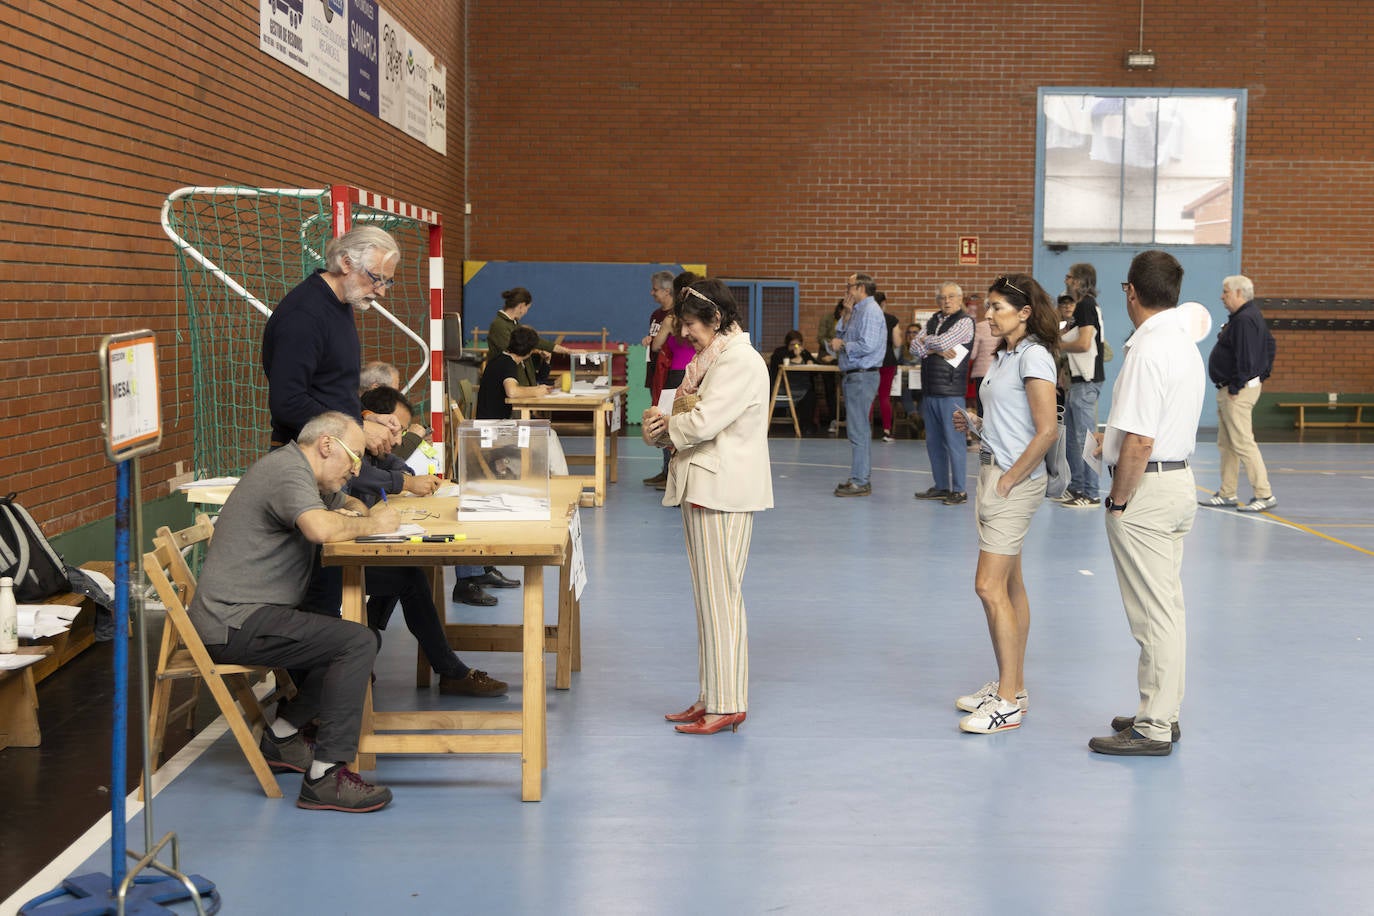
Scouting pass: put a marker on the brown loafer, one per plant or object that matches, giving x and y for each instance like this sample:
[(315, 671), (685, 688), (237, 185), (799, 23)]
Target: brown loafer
[(473, 684)]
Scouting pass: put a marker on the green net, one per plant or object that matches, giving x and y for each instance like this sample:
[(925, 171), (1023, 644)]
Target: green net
[(245, 247)]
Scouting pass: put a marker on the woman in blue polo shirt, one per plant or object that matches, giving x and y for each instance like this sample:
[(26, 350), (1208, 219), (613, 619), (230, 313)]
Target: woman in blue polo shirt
[(1019, 426)]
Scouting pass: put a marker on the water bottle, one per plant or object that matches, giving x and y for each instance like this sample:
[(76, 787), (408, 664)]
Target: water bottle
[(9, 617)]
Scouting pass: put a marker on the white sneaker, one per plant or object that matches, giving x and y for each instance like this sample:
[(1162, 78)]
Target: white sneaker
[(1258, 504), (971, 702), (995, 715), (1218, 501)]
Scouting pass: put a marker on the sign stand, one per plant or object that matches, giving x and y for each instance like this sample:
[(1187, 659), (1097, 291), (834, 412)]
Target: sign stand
[(133, 426)]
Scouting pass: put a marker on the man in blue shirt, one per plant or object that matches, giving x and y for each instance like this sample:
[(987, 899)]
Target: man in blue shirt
[(860, 342)]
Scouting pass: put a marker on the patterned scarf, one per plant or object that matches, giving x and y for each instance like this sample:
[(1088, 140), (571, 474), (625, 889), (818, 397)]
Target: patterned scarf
[(696, 369)]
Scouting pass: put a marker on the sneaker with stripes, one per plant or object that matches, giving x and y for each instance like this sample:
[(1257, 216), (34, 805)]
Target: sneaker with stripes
[(994, 715), (970, 702)]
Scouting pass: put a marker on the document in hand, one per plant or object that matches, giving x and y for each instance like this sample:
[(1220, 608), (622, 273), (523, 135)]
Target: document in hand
[(960, 351)]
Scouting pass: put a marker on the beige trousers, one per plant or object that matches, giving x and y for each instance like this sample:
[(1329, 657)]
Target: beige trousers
[(717, 551), (1236, 443), (1147, 547)]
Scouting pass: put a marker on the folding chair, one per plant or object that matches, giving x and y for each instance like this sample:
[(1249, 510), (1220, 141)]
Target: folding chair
[(182, 656)]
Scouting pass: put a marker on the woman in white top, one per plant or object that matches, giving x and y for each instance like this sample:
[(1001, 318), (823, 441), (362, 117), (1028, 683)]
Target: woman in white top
[(1019, 426)]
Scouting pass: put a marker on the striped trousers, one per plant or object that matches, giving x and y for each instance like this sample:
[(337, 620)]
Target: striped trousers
[(717, 551)]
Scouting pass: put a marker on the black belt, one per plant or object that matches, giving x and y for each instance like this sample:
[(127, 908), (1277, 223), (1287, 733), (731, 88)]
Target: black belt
[(852, 371), (1154, 467), (986, 458)]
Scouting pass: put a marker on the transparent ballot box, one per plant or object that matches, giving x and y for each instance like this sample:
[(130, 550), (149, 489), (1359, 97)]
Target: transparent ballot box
[(503, 470)]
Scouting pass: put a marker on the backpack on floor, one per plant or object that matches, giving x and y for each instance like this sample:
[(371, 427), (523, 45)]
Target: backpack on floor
[(38, 571)]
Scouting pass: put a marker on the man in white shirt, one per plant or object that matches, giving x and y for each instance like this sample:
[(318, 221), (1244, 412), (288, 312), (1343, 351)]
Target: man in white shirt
[(1151, 434)]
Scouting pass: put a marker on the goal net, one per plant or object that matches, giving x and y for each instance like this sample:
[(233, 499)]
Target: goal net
[(240, 250)]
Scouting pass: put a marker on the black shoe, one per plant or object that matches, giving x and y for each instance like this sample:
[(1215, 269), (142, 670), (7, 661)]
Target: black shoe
[(1121, 723), (494, 578), (850, 488), (932, 493), (1130, 743), (469, 591), (955, 499), (473, 684)]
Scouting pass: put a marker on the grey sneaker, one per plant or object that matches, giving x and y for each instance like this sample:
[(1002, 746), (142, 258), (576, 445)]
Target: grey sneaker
[(1258, 504), (971, 701), (341, 789), (850, 488), (1121, 723), (1216, 500), (287, 755)]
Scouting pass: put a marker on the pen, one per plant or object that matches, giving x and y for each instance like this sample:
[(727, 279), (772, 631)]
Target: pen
[(384, 499), (438, 538)]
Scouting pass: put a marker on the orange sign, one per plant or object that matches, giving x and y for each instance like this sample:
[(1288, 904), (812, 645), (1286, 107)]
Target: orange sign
[(968, 249)]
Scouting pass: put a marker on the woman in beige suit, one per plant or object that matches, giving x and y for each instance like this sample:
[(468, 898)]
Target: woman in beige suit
[(720, 476)]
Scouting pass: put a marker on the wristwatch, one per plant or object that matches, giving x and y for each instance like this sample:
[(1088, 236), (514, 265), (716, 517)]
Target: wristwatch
[(1107, 501)]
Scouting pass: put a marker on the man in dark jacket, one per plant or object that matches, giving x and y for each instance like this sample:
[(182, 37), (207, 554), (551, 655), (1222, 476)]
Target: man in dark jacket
[(1241, 360)]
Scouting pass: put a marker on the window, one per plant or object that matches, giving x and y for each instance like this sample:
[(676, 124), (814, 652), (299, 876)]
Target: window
[(1138, 170)]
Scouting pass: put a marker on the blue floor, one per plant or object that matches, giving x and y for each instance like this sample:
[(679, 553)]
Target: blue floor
[(850, 789)]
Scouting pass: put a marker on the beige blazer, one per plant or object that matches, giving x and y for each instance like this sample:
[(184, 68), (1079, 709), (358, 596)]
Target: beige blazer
[(722, 443)]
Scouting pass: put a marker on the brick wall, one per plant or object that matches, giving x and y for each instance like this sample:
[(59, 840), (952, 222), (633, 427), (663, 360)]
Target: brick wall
[(809, 139), (104, 109)]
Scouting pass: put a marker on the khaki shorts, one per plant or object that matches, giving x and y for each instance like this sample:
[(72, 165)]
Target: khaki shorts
[(1003, 523)]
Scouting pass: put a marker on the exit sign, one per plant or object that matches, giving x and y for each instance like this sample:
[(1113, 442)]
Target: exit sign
[(968, 249)]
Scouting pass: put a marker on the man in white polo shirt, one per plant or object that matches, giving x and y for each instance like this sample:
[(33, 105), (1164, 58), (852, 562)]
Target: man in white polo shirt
[(1151, 434)]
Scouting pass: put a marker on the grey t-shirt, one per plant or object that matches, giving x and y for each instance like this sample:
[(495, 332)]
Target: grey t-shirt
[(258, 556)]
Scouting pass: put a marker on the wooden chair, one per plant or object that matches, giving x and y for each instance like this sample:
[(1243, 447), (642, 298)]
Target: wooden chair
[(182, 656), (469, 405)]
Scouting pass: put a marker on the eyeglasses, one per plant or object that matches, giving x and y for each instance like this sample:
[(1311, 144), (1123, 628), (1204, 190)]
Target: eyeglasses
[(1003, 281), (378, 281), (352, 455), (704, 298), (1125, 285)]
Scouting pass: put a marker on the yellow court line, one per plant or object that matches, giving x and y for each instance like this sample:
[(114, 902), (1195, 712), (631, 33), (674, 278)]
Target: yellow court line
[(1301, 527)]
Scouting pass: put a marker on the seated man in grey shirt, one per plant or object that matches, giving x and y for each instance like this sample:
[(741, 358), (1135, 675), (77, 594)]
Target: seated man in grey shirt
[(246, 603)]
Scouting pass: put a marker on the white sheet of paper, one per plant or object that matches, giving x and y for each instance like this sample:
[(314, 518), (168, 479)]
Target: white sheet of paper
[(15, 662), (665, 401), (960, 351), (1090, 446)]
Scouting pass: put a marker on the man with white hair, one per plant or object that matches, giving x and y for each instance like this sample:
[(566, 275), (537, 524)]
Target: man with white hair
[(1241, 360), (944, 379), (310, 350)]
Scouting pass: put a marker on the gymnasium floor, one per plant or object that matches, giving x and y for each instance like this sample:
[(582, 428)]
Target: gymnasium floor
[(850, 789)]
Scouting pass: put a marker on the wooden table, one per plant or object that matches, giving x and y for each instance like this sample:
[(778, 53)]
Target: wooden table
[(782, 382), (1358, 422), (531, 545), (600, 403)]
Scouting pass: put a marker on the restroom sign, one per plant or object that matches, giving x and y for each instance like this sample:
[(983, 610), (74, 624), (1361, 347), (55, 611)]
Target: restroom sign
[(968, 249)]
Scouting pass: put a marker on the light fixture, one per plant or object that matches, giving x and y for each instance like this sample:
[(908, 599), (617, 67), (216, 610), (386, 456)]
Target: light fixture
[(1140, 59)]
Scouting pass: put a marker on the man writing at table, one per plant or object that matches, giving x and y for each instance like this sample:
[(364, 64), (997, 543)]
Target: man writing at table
[(247, 604)]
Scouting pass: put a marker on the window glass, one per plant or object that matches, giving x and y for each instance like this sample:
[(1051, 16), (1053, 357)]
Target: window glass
[(1138, 170)]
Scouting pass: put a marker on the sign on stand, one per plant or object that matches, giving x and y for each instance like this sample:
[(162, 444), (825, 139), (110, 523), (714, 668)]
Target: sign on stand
[(133, 412)]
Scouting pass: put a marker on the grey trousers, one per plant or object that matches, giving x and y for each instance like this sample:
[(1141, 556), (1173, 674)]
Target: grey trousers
[(341, 654)]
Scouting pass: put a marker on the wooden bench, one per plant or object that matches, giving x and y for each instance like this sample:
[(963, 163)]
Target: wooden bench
[(1356, 422), (18, 696)]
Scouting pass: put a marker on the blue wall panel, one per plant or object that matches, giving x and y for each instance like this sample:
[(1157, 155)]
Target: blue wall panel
[(568, 296)]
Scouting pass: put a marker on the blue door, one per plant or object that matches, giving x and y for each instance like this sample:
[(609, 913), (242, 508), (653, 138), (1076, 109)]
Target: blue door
[(1120, 171)]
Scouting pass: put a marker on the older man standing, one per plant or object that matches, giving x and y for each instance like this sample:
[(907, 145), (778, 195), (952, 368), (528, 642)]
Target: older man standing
[(861, 337), (247, 605), (1081, 343), (1151, 434), (1242, 358), (944, 352)]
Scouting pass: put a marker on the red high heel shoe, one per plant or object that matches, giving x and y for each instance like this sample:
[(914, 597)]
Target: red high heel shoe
[(692, 713), (733, 719)]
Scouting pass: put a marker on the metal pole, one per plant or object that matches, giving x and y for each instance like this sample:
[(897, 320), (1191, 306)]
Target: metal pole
[(140, 600), (119, 738)]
